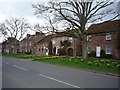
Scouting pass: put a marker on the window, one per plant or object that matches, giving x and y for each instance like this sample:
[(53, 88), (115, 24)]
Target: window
[(70, 39), (88, 37), (20, 45), (26, 44), (108, 36), (63, 39), (53, 41), (30, 43), (108, 50), (88, 50), (26, 50)]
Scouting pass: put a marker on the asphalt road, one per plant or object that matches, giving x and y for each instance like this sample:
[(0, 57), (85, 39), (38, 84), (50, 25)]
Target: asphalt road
[(19, 73), (0, 73)]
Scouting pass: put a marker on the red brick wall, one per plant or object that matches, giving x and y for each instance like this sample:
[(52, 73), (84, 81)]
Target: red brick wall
[(100, 39)]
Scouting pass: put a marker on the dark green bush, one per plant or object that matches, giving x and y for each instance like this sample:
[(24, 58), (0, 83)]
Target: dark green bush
[(89, 63), (92, 54), (104, 55), (62, 51)]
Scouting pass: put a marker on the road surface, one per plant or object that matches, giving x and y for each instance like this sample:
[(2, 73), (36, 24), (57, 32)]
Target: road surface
[(20, 73)]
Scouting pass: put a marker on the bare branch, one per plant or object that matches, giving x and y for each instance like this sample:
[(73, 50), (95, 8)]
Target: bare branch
[(14, 28)]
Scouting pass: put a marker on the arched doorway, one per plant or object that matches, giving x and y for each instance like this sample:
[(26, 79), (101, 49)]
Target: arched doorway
[(70, 52)]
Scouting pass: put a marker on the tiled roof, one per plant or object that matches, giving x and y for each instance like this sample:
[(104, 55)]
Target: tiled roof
[(68, 33), (105, 27), (45, 39), (33, 37)]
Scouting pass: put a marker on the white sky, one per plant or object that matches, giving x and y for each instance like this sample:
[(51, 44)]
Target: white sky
[(19, 9)]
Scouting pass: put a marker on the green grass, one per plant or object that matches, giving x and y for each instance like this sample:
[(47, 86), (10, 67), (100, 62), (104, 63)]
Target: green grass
[(101, 65)]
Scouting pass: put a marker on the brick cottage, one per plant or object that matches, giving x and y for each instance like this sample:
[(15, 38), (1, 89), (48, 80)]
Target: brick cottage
[(105, 35)]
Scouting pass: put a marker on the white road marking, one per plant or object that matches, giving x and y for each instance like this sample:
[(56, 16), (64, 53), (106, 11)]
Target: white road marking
[(20, 67), (59, 81), (5, 62)]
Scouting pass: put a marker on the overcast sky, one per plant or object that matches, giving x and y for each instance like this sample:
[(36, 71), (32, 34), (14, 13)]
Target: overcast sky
[(19, 9)]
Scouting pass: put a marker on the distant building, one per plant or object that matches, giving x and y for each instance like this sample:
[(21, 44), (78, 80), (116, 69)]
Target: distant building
[(11, 45), (27, 44), (105, 35)]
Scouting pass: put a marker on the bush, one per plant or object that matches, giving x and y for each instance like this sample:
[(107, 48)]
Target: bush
[(108, 56), (76, 61), (97, 61), (82, 60), (62, 51), (114, 63), (102, 61), (92, 54), (118, 66), (108, 65), (89, 63), (97, 64), (104, 55)]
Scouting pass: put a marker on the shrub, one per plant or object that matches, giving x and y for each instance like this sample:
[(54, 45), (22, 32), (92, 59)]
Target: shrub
[(89, 63), (104, 55), (62, 51), (118, 66), (92, 54), (76, 61), (107, 61), (97, 61), (108, 56), (70, 59), (102, 61), (82, 60), (108, 65), (114, 63), (97, 64)]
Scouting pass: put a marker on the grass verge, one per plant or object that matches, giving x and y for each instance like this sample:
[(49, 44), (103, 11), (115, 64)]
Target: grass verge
[(99, 65)]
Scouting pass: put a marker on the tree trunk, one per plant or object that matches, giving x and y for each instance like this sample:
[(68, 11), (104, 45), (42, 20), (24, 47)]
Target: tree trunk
[(84, 47)]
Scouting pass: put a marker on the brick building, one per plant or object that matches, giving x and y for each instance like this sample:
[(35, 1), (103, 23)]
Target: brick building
[(61, 43), (43, 46), (105, 35), (27, 44), (11, 45)]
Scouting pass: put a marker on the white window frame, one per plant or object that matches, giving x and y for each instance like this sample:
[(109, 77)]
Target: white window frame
[(108, 36), (53, 41), (30, 43), (108, 50), (71, 39), (88, 50), (63, 39), (89, 37), (26, 44), (20, 45)]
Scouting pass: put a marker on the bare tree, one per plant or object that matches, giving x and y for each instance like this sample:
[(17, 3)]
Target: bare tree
[(50, 24), (14, 27), (78, 13)]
